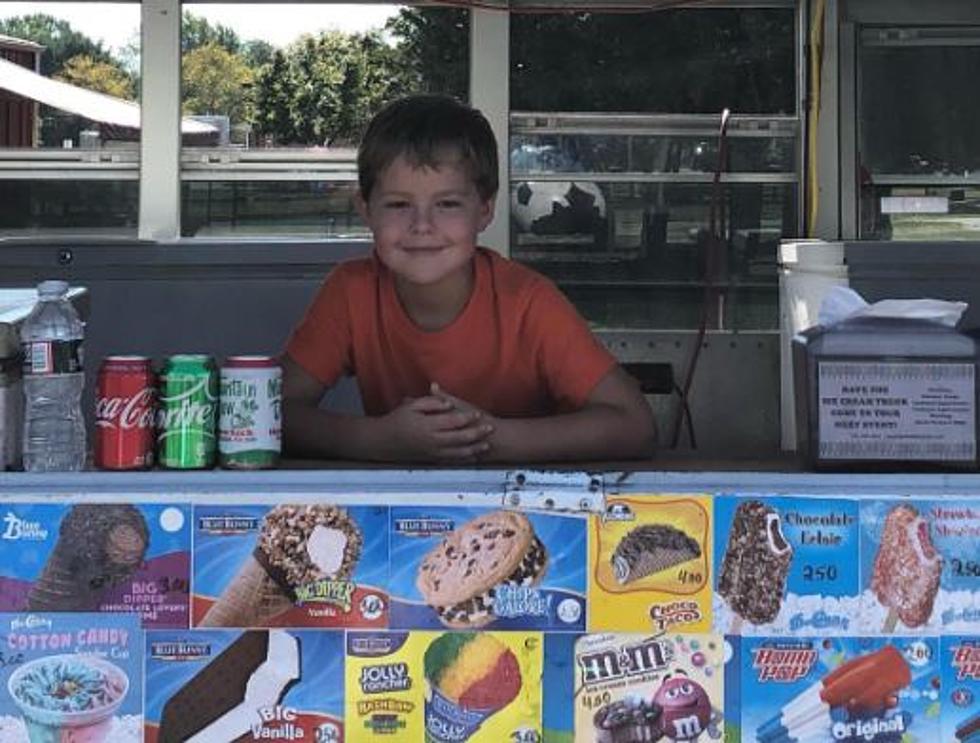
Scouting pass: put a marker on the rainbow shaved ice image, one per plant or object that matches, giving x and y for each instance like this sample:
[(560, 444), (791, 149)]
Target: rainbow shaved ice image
[(470, 676), (68, 697)]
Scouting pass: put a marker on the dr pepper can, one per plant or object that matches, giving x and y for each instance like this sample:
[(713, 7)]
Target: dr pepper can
[(250, 413), (187, 412), (125, 412)]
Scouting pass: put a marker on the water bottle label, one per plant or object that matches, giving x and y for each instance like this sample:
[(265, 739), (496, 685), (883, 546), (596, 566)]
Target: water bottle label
[(53, 357)]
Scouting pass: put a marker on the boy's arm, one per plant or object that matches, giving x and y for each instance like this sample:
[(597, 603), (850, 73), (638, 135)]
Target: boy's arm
[(615, 423), (424, 429)]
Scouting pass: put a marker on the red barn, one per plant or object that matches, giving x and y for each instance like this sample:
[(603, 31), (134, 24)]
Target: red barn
[(18, 115)]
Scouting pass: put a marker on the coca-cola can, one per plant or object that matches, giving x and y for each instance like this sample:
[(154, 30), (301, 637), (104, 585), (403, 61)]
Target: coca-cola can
[(125, 413)]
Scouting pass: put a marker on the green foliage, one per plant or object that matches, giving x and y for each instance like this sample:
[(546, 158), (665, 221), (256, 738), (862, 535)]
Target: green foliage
[(102, 77), (196, 32), (60, 40), (216, 81), (323, 89), (433, 45)]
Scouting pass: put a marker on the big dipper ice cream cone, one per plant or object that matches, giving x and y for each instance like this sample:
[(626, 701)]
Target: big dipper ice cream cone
[(298, 545), (469, 677), (98, 547)]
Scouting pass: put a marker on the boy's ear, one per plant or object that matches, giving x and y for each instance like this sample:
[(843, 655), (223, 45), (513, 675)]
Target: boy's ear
[(486, 215)]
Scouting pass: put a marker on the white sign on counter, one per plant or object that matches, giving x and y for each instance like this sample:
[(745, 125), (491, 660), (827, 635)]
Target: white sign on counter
[(897, 410)]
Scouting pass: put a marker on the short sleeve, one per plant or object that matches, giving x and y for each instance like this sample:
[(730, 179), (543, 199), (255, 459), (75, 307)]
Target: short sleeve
[(569, 357), (321, 343)]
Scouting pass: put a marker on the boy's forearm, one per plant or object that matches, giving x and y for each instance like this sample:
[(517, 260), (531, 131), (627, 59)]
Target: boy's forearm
[(597, 432), (314, 433)]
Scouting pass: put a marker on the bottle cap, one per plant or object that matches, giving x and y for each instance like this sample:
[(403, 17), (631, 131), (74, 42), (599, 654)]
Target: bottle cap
[(52, 287)]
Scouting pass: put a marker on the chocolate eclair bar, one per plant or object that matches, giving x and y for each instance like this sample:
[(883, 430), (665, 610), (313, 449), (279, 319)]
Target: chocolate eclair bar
[(650, 548)]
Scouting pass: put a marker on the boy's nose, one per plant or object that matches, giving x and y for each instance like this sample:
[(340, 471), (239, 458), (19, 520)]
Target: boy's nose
[(421, 220)]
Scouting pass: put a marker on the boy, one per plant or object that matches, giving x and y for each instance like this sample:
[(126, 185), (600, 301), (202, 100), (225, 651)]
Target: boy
[(460, 355)]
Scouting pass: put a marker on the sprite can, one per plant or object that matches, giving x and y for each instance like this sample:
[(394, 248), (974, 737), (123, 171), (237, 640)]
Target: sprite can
[(188, 404), (250, 413)]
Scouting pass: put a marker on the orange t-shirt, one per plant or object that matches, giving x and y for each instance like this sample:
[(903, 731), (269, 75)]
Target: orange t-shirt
[(518, 348)]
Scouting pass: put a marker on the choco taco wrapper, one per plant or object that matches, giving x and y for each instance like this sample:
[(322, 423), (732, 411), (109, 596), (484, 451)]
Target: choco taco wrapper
[(98, 547)]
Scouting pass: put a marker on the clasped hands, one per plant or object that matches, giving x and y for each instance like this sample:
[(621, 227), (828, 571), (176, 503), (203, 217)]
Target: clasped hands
[(440, 427)]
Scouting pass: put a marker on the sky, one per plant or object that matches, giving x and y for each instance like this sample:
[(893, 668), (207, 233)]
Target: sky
[(114, 24)]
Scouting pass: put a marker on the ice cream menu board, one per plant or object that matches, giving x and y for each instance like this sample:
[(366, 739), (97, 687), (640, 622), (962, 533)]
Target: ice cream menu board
[(97, 557), (206, 686), (786, 565), (920, 566), (71, 677), (291, 565), (471, 568), (877, 690), (444, 687), (650, 564)]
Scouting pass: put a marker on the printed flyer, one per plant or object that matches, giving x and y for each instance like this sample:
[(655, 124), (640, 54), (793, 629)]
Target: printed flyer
[(204, 686), (960, 657), (473, 568), (920, 566), (786, 565), (647, 688), (444, 687), (97, 557), (291, 565), (650, 564), (71, 677), (854, 690)]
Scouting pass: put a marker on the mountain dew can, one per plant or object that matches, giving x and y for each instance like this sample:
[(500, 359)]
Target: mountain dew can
[(188, 405), (250, 413)]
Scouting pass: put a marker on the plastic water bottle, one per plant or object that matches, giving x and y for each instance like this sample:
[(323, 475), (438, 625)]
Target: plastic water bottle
[(54, 428)]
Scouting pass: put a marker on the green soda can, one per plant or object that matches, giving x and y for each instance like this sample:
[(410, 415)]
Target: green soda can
[(188, 405), (250, 413)]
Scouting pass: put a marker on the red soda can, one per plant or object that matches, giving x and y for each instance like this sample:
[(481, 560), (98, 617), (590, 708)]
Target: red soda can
[(125, 413)]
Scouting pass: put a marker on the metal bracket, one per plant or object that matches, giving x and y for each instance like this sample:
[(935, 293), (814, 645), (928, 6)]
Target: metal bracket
[(554, 491)]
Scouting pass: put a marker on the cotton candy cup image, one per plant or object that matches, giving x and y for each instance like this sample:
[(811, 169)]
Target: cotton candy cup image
[(469, 677), (68, 698)]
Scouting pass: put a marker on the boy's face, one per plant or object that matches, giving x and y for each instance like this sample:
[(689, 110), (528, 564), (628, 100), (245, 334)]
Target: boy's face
[(425, 221)]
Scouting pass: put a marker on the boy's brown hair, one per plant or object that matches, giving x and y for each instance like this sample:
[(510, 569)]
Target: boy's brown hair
[(422, 128)]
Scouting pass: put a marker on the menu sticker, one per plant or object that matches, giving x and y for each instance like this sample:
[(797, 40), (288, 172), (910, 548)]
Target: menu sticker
[(290, 565), (444, 687), (896, 411), (650, 564), (644, 688), (473, 568), (224, 685), (960, 657), (848, 689), (786, 565), (920, 567), (103, 557)]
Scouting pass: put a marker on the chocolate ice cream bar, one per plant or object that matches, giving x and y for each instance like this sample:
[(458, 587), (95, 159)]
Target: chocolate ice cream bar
[(650, 548), (907, 568), (756, 563)]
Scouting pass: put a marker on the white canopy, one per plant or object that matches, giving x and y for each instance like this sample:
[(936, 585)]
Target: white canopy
[(99, 107)]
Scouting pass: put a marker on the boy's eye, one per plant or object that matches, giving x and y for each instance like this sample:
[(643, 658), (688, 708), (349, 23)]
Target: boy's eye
[(396, 205), (450, 203)]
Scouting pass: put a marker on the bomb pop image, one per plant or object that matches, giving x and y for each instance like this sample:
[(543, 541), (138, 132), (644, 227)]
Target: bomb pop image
[(866, 684), (755, 565), (907, 569)]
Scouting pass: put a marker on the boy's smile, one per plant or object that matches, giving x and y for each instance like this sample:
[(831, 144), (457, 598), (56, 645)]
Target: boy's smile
[(425, 223)]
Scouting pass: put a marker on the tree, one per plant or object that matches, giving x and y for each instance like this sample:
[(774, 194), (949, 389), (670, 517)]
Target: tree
[(434, 49), (257, 53), (60, 40), (102, 77), (216, 82), (196, 32), (323, 89)]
